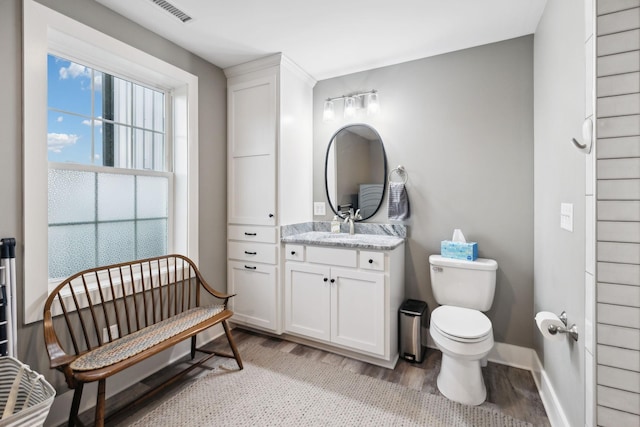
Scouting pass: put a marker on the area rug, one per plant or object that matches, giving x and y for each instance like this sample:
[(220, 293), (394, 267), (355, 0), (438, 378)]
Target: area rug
[(281, 389)]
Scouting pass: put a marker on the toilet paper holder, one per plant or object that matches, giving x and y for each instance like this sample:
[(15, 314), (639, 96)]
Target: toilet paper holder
[(572, 331)]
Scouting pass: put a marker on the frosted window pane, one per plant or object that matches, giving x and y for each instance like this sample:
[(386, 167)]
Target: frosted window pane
[(71, 249), (152, 238), (152, 196), (116, 242), (71, 196), (116, 196)]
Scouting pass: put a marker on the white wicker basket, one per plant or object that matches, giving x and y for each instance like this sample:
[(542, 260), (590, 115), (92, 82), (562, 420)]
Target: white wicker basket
[(25, 396)]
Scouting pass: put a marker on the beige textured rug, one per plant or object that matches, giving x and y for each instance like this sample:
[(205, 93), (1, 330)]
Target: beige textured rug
[(281, 389)]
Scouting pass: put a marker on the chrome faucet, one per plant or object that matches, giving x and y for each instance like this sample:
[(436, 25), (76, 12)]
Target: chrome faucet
[(350, 217)]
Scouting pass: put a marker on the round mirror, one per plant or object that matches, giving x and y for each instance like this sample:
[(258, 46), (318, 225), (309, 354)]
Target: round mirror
[(355, 171)]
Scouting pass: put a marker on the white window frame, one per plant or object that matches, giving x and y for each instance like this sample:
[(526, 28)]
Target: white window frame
[(46, 31)]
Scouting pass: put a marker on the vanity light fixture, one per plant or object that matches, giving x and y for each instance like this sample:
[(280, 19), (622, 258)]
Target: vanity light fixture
[(352, 103)]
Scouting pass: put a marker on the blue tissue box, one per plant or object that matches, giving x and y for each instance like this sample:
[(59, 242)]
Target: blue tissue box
[(458, 250)]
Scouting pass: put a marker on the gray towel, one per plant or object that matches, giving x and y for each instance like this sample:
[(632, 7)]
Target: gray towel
[(398, 202)]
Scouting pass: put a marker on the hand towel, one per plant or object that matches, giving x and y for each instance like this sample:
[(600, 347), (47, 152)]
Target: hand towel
[(398, 202)]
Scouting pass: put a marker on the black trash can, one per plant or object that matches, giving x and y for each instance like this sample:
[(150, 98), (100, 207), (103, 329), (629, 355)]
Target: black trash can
[(413, 318)]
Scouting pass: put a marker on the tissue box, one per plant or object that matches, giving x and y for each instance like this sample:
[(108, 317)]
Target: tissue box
[(459, 250)]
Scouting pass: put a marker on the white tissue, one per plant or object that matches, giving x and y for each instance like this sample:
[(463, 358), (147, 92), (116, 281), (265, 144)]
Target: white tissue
[(458, 236), (544, 320)]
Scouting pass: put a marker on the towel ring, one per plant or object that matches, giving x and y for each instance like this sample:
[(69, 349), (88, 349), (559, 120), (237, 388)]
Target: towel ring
[(400, 172)]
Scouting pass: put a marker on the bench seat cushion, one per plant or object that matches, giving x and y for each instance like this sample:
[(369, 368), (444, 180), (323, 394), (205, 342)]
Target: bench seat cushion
[(141, 340)]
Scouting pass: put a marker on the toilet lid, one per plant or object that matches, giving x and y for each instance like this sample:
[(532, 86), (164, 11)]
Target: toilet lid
[(461, 322)]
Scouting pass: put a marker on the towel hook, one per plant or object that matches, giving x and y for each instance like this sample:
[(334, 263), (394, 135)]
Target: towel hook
[(401, 172)]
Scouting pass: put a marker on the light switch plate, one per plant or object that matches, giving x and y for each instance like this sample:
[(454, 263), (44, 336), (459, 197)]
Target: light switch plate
[(319, 208), (566, 216)]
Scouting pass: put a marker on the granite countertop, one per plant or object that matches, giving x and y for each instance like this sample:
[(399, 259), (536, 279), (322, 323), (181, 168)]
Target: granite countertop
[(345, 240)]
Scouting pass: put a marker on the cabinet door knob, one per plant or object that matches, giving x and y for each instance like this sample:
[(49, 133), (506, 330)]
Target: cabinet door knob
[(293, 252), (249, 267), (370, 261), (270, 215), (325, 279), (333, 280)]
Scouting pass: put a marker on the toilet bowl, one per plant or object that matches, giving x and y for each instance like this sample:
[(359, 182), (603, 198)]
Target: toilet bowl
[(465, 337), (459, 328)]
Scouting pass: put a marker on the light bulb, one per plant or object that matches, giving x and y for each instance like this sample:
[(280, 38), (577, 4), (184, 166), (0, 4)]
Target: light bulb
[(349, 107), (328, 113), (373, 105)]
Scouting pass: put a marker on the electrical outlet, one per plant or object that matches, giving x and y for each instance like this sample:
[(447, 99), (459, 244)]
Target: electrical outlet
[(319, 208), (566, 216), (114, 333)]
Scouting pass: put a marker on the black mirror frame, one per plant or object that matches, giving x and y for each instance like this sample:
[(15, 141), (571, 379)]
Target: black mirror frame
[(326, 163)]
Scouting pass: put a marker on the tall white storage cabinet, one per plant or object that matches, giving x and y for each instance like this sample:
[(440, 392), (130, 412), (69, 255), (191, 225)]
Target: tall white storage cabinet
[(269, 180)]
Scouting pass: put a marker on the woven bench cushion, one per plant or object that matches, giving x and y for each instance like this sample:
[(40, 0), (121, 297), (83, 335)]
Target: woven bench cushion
[(138, 341)]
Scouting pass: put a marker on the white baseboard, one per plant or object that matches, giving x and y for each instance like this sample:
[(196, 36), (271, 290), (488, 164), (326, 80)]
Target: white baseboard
[(59, 413), (556, 414)]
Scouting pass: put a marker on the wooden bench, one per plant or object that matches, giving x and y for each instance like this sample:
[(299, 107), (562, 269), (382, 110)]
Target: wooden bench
[(103, 320)]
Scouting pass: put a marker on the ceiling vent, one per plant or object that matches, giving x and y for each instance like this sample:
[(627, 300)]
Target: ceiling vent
[(173, 10)]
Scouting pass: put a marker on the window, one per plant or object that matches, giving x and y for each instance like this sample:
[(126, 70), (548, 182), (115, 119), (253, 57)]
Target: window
[(122, 180), (99, 124)]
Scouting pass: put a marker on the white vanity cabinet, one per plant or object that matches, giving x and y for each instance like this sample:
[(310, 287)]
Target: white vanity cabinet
[(347, 298), (269, 180)]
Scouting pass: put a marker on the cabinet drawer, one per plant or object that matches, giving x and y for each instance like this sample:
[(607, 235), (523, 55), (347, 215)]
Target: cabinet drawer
[(372, 260), (294, 252), (252, 252), (251, 233), (331, 256)]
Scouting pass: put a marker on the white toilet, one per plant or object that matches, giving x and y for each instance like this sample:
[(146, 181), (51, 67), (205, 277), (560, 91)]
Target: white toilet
[(464, 289)]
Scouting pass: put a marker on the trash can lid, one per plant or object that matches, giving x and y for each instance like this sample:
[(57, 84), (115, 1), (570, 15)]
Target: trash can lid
[(413, 306)]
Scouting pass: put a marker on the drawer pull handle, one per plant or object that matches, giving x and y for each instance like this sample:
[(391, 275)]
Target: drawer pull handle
[(250, 268), (370, 261), (250, 253), (333, 280), (250, 234), (325, 279), (293, 252)]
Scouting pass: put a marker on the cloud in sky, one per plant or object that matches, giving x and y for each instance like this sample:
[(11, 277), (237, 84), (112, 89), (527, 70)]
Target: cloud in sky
[(56, 142), (59, 119), (74, 70), (96, 122)]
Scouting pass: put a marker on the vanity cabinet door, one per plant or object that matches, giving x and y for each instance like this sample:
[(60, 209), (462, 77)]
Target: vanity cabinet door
[(307, 300), (252, 127), (357, 310), (255, 302)]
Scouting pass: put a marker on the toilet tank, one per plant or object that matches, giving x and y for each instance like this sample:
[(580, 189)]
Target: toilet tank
[(462, 283)]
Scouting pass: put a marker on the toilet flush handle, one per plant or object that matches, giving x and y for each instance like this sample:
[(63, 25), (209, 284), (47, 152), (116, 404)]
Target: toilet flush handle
[(436, 269)]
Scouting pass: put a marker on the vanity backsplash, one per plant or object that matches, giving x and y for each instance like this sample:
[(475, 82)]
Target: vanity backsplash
[(395, 230)]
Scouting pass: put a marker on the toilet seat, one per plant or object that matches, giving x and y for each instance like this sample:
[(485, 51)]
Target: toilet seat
[(461, 324)]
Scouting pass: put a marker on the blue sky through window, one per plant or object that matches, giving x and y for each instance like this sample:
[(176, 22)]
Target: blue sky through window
[(71, 119)]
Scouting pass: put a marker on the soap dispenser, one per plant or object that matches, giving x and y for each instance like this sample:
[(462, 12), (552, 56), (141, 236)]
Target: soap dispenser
[(335, 224)]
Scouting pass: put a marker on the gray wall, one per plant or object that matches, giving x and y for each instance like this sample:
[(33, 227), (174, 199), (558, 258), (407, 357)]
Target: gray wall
[(212, 138), (559, 176), (462, 125)]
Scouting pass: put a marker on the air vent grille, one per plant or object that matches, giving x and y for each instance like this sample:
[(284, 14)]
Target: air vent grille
[(173, 10)]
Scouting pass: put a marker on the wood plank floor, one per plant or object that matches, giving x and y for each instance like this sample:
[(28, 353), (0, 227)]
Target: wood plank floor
[(509, 390)]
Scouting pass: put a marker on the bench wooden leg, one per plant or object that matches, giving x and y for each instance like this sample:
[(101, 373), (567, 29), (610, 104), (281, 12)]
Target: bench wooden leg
[(232, 343), (193, 347), (100, 402), (75, 405)]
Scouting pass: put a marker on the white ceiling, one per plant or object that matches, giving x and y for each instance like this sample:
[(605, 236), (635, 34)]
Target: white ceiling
[(330, 38)]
